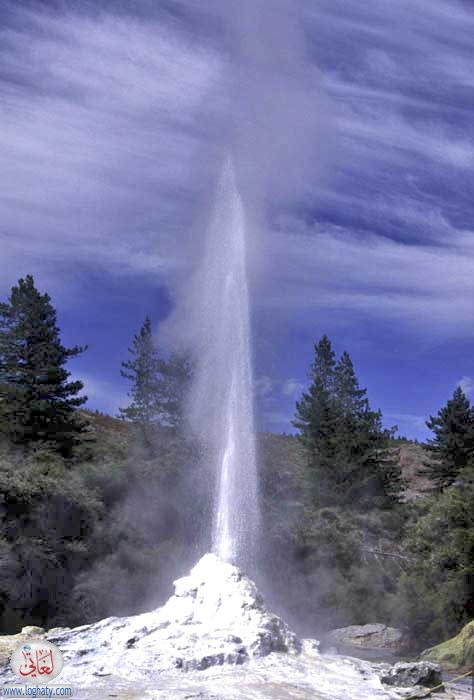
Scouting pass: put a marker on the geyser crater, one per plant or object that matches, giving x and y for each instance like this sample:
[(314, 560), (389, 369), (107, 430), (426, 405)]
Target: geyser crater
[(214, 638)]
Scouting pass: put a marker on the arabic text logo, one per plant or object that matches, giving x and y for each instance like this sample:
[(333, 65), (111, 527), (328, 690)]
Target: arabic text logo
[(38, 661)]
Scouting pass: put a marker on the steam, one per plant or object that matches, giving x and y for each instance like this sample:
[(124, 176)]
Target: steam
[(261, 160), (277, 110), (223, 391)]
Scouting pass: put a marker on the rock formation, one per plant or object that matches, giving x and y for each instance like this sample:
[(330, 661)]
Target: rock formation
[(216, 616), (410, 674), (213, 639), (375, 636), (456, 654)]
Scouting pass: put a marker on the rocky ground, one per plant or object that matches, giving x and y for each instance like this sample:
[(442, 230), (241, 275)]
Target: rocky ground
[(214, 639), (372, 637)]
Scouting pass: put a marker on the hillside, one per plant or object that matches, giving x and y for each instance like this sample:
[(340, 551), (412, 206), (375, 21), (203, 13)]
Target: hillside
[(413, 457), (114, 435), (286, 453), (108, 532)]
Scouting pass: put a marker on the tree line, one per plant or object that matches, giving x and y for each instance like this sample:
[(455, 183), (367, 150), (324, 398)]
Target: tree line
[(360, 549), (90, 515), (39, 402), (350, 454), (91, 518)]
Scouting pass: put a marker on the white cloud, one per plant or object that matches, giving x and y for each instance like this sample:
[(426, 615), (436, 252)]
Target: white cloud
[(406, 420), (99, 132), (467, 385), (268, 388), (264, 386), (103, 395), (105, 119), (415, 139), (428, 288), (292, 387)]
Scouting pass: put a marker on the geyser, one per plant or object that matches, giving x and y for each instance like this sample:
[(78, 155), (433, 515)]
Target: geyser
[(236, 511), (214, 638), (224, 375)]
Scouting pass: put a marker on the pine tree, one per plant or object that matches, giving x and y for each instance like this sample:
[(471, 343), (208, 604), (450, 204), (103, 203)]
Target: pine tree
[(315, 410), (37, 402), (453, 445), (369, 467), (349, 454), (142, 370), (379, 481), (158, 385), (172, 388), (316, 419), (351, 399)]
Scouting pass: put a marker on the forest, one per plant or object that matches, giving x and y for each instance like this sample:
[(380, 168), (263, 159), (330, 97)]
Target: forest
[(98, 513)]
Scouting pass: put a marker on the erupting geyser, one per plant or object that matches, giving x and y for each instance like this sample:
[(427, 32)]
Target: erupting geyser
[(236, 513), (225, 375)]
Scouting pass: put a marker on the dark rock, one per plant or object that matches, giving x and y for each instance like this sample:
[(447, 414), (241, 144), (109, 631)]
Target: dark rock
[(405, 675), (373, 636)]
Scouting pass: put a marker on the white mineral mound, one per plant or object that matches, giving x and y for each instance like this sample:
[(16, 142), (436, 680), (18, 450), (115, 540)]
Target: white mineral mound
[(214, 638), (216, 616)]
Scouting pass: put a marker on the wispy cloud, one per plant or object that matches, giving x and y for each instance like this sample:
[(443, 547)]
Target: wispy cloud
[(406, 419), (106, 117), (467, 385), (264, 386), (277, 402), (100, 122), (427, 288), (103, 395), (269, 387), (292, 387)]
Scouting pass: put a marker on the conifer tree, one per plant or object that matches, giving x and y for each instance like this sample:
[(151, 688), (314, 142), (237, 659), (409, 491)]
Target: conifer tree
[(158, 385), (452, 447), (316, 419), (350, 457), (369, 472), (142, 370), (354, 418), (351, 399), (315, 410), (172, 388), (37, 402)]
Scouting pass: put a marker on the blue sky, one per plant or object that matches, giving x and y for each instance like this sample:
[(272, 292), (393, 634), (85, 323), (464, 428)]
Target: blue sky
[(111, 113)]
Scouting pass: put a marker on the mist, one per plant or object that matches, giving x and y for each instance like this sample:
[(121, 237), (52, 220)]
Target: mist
[(262, 160), (270, 112), (283, 189)]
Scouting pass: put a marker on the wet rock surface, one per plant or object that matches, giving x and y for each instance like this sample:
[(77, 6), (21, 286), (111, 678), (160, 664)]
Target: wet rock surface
[(372, 636), (213, 640), (215, 617), (407, 675)]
